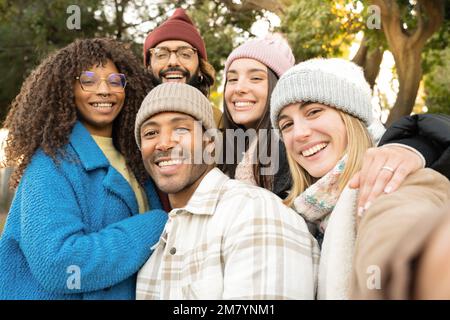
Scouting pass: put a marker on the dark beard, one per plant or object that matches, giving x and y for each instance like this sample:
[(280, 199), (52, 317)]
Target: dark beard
[(193, 80)]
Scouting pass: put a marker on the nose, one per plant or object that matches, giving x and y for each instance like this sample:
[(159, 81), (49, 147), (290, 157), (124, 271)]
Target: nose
[(302, 131), (241, 86), (166, 141), (173, 59), (103, 88)]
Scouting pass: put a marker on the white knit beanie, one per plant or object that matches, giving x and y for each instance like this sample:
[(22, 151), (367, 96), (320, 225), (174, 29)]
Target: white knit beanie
[(174, 97), (334, 82)]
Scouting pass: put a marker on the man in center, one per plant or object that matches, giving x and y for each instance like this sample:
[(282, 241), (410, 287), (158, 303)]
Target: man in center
[(224, 239)]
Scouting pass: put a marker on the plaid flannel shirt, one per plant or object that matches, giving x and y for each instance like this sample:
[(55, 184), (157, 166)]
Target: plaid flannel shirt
[(231, 241)]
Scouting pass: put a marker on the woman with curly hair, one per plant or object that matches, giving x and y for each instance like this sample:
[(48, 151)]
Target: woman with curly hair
[(74, 230)]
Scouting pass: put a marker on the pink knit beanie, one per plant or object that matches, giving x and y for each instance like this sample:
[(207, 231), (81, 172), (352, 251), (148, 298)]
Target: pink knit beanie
[(272, 51)]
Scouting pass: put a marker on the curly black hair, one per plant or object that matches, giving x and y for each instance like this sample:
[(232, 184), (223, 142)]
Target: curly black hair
[(43, 114)]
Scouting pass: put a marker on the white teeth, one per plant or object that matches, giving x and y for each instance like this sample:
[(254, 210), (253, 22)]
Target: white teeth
[(174, 76), (243, 104), (313, 150), (169, 163), (102, 105)]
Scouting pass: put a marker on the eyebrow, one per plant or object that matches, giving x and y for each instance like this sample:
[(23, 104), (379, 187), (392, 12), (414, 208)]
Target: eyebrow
[(281, 117), (96, 74), (301, 106), (249, 71), (151, 122), (176, 48)]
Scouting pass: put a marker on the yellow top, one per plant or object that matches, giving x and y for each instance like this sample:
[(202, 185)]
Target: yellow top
[(118, 162)]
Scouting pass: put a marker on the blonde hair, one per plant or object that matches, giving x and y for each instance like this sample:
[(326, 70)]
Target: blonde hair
[(358, 141)]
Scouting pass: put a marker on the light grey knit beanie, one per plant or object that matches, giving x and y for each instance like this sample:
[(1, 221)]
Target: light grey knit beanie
[(174, 97), (334, 82)]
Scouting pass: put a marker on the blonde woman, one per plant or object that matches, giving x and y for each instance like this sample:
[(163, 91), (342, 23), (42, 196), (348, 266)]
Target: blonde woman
[(323, 111)]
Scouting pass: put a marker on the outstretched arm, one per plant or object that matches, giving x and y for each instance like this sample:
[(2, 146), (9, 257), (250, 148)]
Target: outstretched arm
[(427, 133), (392, 234)]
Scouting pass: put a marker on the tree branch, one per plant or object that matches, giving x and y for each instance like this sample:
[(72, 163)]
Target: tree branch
[(277, 7), (433, 10), (369, 60), (391, 23), (131, 25), (361, 54), (270, 5)]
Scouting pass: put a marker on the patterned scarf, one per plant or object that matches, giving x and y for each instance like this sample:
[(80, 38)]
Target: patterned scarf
[(317, 202), (244, 170)]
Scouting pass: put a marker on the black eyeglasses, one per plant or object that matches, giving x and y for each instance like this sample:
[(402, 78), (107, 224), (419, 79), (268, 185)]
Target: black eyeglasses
[(162, 54), (90, 81)]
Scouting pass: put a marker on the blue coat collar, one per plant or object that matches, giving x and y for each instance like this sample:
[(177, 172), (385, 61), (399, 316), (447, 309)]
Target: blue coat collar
[(91, 156)]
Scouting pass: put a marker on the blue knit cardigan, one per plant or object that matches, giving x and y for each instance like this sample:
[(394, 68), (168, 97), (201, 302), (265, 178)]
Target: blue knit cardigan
[(73, 230)]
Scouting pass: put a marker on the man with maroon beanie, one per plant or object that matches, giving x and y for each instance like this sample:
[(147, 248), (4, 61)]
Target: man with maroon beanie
[(175, 52)]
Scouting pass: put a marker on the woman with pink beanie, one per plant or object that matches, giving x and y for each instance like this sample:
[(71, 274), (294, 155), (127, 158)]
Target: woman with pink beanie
[(252, 71)]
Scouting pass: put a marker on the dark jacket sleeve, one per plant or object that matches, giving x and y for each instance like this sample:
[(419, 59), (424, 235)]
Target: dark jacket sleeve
[(282, 180), (427, 133)]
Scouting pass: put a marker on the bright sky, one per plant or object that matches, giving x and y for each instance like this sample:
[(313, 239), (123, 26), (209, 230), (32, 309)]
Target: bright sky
[(261, 27)]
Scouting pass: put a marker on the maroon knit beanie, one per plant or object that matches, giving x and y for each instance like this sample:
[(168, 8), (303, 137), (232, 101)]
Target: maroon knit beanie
[(178, 27)]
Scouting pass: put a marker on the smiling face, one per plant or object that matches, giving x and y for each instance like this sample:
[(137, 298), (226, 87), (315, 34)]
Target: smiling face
[(175, 69), (246, 91), (169, 142), (97, 110), (315, 136)]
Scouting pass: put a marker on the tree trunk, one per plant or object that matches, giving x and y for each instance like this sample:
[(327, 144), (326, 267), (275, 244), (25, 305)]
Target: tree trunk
[(406, 47), (120, 8), (369, 60), (409, 70)]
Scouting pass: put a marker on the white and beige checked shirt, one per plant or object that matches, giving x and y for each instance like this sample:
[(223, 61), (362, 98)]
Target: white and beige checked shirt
[(231, 241)]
